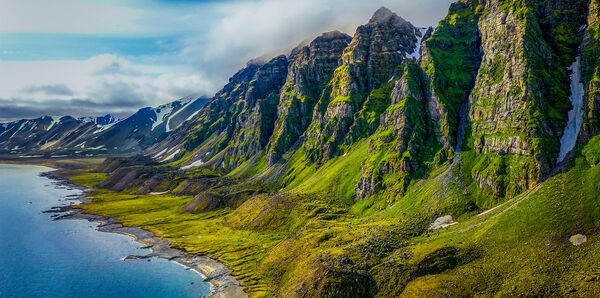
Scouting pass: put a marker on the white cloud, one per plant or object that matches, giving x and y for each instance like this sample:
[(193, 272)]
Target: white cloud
[(104, 80)]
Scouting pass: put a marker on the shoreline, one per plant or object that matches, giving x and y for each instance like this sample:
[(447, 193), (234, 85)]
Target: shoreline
[(222, 283)]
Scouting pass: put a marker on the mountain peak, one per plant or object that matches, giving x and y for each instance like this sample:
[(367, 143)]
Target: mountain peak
[(100, 120), (333, 35), (384, 15)]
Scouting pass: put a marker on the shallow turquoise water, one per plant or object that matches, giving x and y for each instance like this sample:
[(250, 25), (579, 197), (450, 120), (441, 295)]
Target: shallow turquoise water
[(69, 258)]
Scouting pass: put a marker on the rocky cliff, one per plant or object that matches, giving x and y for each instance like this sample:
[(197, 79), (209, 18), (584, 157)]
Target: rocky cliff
[(590, 52), (519, 105), (311, 68), (371, 60)]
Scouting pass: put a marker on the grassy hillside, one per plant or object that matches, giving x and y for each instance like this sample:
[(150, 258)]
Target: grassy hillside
[(300, 242)]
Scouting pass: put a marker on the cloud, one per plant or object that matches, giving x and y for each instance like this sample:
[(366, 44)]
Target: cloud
[(56, 89), (99, 85), (249, 29), (18, 108)]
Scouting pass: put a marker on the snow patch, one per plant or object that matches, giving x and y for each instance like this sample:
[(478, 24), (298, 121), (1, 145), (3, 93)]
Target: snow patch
[(158, 193), (417, 53), (193, 165), (20, 127), (172, 155), (55, 119), (97, 148), (569, 138), (186, 101), (159, 154), (442, 222), (104, 127), (161, 113), (108, 119), (193, 115)]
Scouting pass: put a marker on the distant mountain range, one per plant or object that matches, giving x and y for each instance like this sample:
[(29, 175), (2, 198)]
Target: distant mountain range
[(87, 136)]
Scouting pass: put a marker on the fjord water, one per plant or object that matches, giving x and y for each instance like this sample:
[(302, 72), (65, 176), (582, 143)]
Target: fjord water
[(69, 258)]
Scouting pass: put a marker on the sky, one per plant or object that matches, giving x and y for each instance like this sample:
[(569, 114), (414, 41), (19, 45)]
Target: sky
[(92, 57)]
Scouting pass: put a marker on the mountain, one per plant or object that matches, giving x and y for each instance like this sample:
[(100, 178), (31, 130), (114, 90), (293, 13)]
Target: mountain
[(147, 126), (102, 120), (66, 135), (271, 105), (459, 160), (46, 133)]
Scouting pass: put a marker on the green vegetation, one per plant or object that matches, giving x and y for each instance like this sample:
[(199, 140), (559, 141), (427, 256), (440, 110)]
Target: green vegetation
[(452, 60), (276, 243), (88, 180)]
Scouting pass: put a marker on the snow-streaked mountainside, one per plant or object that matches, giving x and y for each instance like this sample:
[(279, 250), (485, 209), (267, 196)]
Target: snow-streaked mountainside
[(58, 135), (102, 120)]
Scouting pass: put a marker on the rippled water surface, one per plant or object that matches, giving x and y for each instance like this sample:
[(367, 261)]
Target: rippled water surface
[(69, 258)]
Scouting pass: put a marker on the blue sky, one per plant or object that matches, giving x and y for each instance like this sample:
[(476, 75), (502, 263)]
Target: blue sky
[(90, 57)]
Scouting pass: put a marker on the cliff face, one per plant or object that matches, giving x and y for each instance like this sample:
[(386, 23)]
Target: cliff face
[(404, 140), (372, 58), (311, 68), (519, 105), (591, 72), (419, 129), (451, 59), (238, 122), (255, 116)]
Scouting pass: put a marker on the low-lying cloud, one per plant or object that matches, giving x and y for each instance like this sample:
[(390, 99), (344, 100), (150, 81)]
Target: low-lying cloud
[(102, 84), (56, 89), (34, 109)]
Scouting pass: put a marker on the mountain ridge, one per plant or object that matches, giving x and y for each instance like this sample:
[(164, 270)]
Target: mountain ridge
[(88, 136)]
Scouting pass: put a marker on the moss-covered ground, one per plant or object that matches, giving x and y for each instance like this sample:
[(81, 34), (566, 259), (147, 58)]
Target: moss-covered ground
[(280, 243)]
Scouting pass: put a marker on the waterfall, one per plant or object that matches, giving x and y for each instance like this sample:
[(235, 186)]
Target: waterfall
[(569, 138)]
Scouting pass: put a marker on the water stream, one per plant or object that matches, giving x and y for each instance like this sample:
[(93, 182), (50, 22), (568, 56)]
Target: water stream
[(569, 138)]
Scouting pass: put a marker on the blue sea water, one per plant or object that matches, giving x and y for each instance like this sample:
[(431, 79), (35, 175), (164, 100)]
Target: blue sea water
[(40, 257)]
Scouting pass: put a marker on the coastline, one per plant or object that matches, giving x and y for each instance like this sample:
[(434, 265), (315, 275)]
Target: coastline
[(223, 284)]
